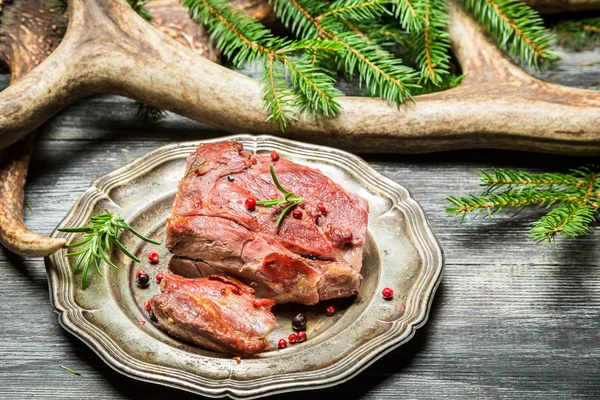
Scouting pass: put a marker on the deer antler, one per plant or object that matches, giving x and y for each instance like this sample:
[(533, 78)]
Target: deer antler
[(109, 49)]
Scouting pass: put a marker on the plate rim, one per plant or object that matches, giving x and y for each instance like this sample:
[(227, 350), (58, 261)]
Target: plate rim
[(70, 316)]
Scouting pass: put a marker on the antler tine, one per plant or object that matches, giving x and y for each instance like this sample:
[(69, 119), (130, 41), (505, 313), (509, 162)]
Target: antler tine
[(25, 42), (109, 49)]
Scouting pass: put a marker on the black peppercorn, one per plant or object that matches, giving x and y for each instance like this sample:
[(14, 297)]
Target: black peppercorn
[(230, 178), (152, 316), (299, 322), (143, 280)]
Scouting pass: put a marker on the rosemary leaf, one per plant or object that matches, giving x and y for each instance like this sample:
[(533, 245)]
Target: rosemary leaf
[(70, 370)]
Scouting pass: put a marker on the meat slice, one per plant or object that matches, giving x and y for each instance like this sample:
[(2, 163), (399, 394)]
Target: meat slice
[(305, 260), (217, 312)]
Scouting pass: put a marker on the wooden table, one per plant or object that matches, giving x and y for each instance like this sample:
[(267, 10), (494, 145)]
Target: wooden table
[(510, 318)]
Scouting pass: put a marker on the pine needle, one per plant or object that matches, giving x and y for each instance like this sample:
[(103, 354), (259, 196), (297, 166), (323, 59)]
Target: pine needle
[(70, 370)]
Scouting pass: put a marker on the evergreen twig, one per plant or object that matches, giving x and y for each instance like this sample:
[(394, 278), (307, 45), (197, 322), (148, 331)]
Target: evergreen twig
[(517, 27), (384, 75), (291, 81), (575, 197), (578, 34), (431, 43), (397, 48)]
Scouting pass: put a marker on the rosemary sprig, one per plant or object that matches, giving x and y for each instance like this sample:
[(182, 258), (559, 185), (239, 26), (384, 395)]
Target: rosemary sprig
[(289, 198), (194, 167), (101, 234)]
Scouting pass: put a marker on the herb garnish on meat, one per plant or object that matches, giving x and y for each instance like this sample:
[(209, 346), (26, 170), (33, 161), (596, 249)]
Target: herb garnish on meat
[(290, 199)]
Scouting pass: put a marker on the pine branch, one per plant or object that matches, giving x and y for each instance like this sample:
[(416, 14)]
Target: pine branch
[(575, 197), (278, 97), (243, 40), (397, 48), (384, 75), (408, 13), (578, 34), (432, 42), (509, 178), (495, 202), (568, 220), (515, 26)]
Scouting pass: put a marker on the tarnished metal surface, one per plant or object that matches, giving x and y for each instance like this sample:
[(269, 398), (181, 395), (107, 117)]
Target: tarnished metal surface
[(401, 253)]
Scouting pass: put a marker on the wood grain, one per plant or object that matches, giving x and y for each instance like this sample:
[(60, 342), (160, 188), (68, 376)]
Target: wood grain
[(510, 320)]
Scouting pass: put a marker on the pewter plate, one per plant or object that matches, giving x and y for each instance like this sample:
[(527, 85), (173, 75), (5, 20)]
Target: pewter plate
[(401, 252)]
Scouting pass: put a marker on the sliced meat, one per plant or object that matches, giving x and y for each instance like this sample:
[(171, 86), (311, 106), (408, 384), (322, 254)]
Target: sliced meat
[(217, 313), (305, 260)]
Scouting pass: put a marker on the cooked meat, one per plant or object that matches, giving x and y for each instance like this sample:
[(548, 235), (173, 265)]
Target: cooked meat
[(305, 260), (217, 312)]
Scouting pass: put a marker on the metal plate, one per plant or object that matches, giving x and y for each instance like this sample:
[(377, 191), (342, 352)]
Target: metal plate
[(401, 253)]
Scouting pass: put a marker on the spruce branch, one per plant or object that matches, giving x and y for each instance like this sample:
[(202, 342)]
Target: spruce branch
[(408, 13), (290, 83), (578, 34), (384, 75), (396, 48), (575, 197), (495, 202), (513, 179), (569, 220), (432, 42), (516, 27)]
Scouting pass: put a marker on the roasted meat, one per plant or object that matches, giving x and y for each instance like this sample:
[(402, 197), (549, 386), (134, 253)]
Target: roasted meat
[(314, 254), (217, 313)]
